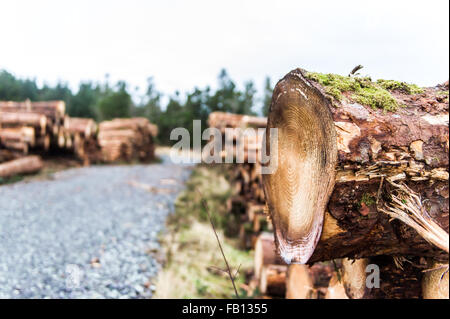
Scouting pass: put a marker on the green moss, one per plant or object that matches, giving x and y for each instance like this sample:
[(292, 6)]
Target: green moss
[(407, 88), (376, 98), (335, 81), (363, 89), (368, 199)]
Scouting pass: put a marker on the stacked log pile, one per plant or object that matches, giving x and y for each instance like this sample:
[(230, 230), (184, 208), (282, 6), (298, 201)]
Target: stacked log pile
[(80, 136), (247, 201), (43, 128), (127, 140), (275, 279), (361, 182), (30, 125)]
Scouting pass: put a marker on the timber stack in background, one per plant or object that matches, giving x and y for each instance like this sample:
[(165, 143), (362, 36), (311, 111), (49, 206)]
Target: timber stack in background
[(127, 140), (43, 128), (247, 202)]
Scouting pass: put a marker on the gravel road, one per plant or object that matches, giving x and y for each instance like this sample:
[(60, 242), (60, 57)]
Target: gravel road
[(87, 233)]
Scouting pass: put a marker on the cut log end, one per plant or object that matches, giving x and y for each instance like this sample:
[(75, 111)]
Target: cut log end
[(298, 191)]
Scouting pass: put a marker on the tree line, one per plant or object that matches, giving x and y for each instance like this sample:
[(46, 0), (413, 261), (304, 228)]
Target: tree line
[(103, 101)]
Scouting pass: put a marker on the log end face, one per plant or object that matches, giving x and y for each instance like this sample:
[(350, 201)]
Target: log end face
[(298, 250), (298, 191)]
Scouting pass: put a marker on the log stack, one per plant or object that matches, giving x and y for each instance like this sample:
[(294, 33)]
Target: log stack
[(43, 127), (276, 279), (358, 178), (30, 125), (80, 136), (127, 140), (247, 201)]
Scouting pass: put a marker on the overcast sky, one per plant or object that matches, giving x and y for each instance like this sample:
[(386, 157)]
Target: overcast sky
[(183, 44)]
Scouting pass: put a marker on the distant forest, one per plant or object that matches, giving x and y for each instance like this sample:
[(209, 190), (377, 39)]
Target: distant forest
[(103, 101)]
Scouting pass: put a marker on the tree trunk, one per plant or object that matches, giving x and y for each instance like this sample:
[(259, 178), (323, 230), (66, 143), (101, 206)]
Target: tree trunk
[(23, 165), (351, 164)]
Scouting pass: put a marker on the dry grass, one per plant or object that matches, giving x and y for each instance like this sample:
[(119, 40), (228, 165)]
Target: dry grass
[(194, 266)]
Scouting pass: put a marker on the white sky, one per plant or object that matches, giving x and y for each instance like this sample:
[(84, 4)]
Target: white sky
[(186, 43)]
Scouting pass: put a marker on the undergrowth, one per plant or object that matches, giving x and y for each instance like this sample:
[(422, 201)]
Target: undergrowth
[(194, 266)]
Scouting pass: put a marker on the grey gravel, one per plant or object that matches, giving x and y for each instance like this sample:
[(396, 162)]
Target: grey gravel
[(88, 233)]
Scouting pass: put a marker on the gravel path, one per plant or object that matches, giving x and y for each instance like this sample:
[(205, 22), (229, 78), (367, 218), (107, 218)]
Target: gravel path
[(88, 233)]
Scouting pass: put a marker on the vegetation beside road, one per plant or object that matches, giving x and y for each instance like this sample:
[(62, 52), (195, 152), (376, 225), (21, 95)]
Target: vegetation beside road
[(194, 266)]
